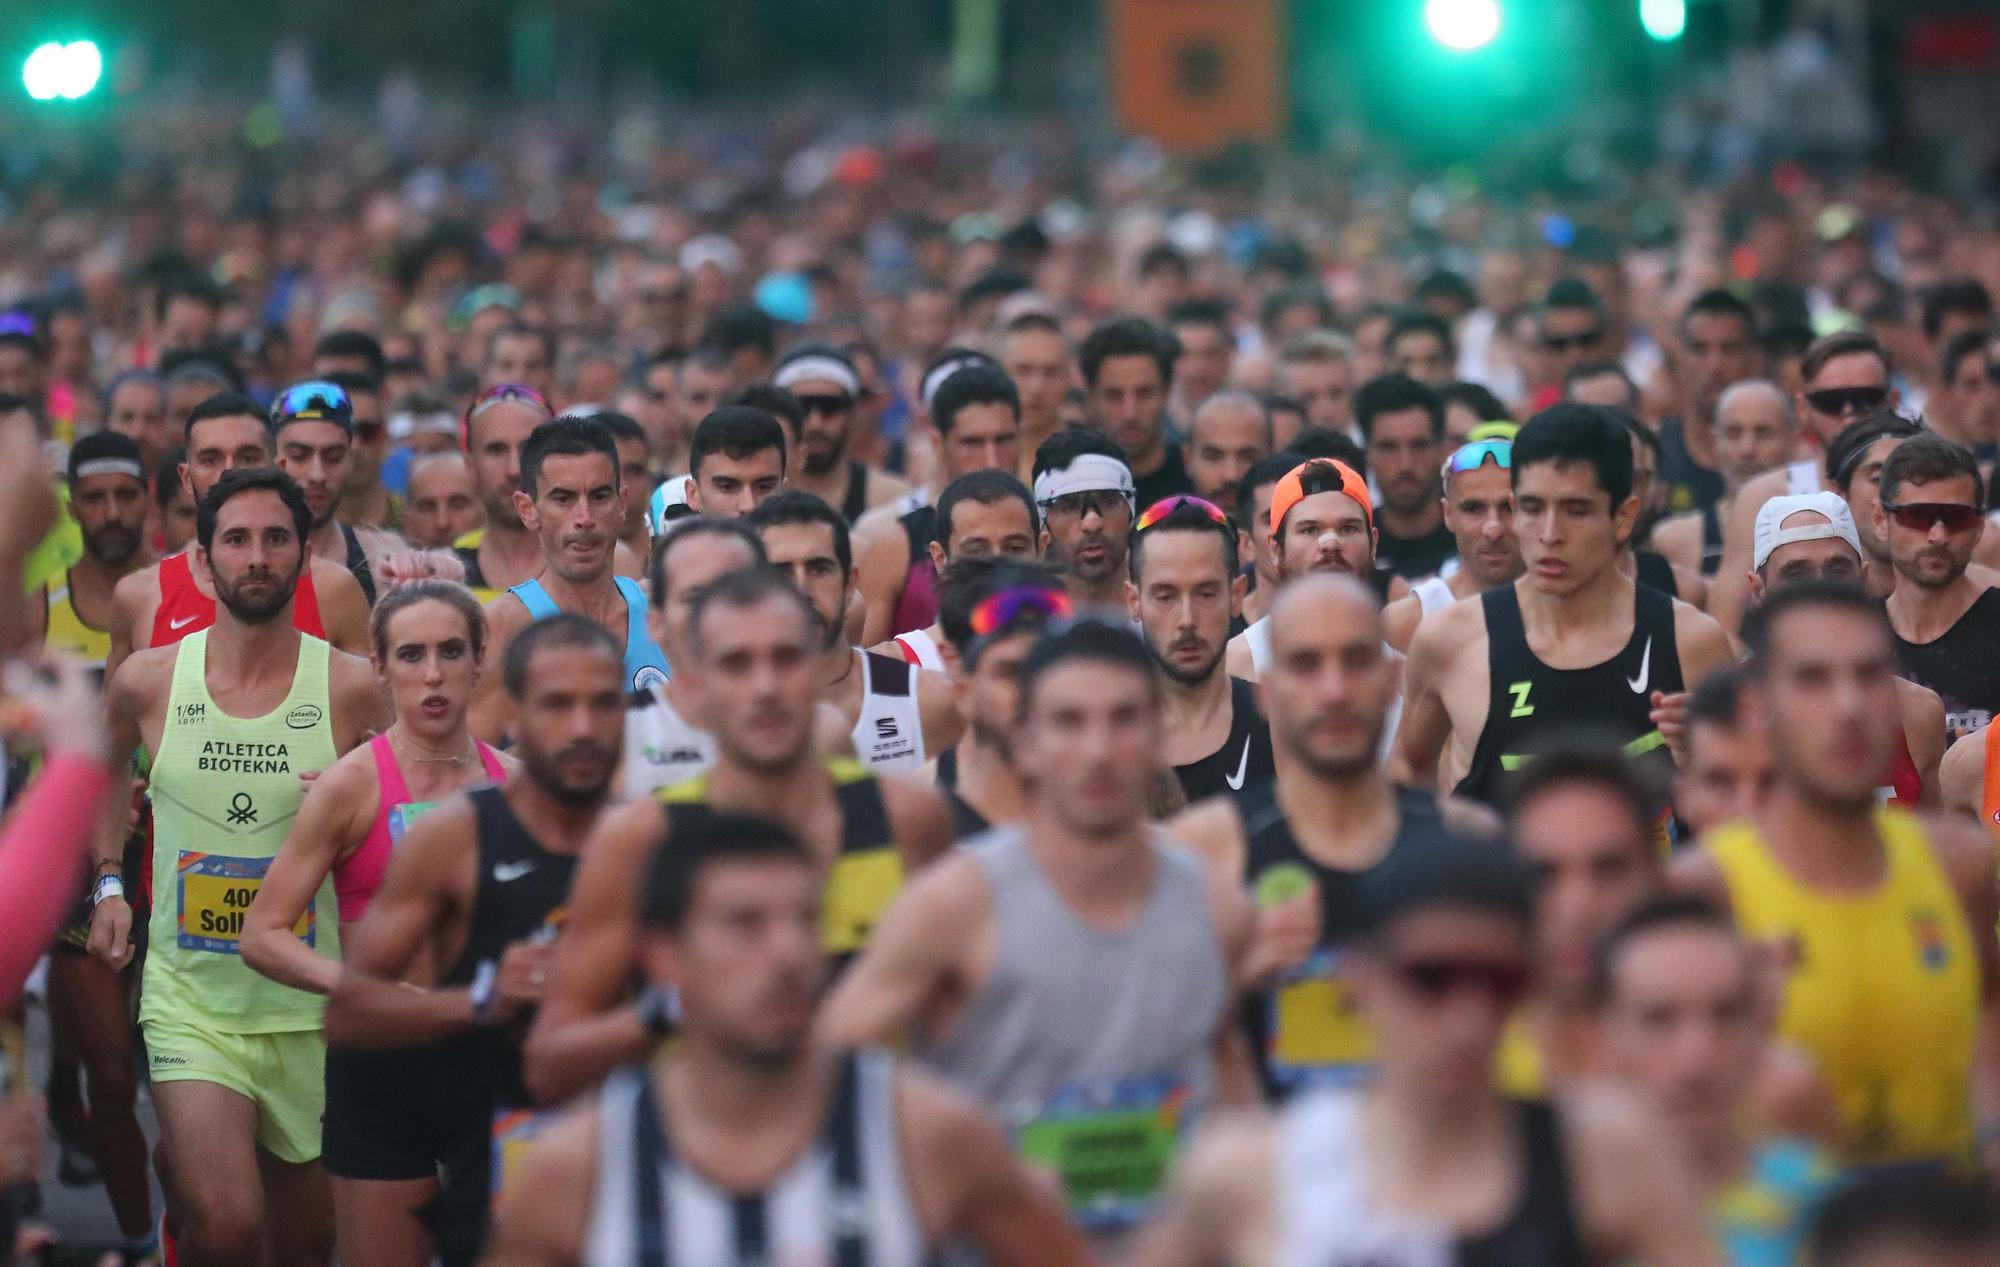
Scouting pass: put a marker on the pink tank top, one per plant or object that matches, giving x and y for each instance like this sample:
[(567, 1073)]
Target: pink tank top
[(356, 879)]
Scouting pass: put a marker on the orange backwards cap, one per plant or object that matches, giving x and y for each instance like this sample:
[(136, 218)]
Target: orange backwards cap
[(1319, 475)]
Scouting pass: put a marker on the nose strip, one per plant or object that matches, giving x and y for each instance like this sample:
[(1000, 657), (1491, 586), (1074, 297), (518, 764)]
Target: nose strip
[(1327, 539)]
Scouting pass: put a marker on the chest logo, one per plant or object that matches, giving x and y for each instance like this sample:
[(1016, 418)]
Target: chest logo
[(181, 623), (242, 809), (1929, 933), (304, 717), (1235, 781), (1522, 708), (507, 872), (1638, 684)]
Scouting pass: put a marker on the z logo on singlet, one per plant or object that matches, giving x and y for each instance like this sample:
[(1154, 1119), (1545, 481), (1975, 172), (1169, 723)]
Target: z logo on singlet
[(1522, 708)]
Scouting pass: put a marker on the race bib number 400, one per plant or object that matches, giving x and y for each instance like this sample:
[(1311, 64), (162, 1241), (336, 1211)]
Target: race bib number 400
[(215, 896), (1110, 1144)]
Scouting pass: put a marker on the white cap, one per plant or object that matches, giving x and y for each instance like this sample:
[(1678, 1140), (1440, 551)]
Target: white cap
[(1835, 521)]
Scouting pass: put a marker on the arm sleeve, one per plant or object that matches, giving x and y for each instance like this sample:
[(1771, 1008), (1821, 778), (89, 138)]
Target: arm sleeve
[(39, 855)]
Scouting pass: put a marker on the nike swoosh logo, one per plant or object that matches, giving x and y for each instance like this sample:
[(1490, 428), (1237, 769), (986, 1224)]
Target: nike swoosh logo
[(1235, 782), (505, 871), (1638, 684), (181, 623)]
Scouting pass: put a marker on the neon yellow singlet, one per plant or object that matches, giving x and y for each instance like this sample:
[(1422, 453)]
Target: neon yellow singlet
[(66, 632), (1883, 989), (225, 790)]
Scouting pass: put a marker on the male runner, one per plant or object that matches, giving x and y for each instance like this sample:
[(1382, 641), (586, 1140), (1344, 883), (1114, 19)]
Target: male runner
[(172, 599), (1887, 983), (743, 1137), (1905, 1218), (504, 552), (135, 406), (895, 714), (1755, 430), (1035, 354), (1128, 370), (977, 416), (1229, 434), (1402, 425), (233, 715), (1681, 1022), (365, 501), (1086, 495), (1430, 1163), (444, 501), (982, 515), (1573, 641), (1479, 510), (572, 498), (1945, 621), (752, 647), (1302, 840), (1253, 524), (1725, 771), (665, 743), (455, 946), (313, 423), (1186, 589), (824, 382), (107, 498), (635, 476), (736, 459), (1718, 348), (1845, 377), (1073, 973)]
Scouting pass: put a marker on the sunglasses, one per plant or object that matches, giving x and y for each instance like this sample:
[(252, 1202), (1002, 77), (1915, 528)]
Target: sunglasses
[(1436, 980), (1168, 505), (1836, 401), (1470, 457), (829, 405), (312, 400), (1077, 505), (1919, 516), (997, 613), (1571, 342)]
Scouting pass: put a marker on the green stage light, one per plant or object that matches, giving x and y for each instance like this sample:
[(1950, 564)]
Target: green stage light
[(68, 71), (1463, 25), (1664, 20)]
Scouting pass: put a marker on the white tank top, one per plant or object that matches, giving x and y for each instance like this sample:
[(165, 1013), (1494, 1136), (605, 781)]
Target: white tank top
[(661, 748), (802, 1217), (1801, 477), (1325, 1214), (922, 650), (889, 734), (1433, 593)]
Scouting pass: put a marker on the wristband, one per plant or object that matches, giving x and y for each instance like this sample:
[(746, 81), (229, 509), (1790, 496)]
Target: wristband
[(107, 886), (485, 991)]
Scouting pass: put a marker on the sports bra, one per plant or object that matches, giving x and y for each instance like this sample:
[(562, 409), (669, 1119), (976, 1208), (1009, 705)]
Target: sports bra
[(356, 877)]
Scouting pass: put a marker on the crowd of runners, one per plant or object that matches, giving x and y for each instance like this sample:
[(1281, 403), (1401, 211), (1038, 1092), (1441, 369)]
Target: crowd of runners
[(788, 729)]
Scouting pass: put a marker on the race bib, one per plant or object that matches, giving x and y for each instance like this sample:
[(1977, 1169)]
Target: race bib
[(402, 816), (858, 889), (215, 896), (1317, 1035), (1111, 1145), (513, 1131)]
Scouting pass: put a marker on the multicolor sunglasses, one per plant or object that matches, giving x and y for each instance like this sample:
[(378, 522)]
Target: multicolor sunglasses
[(311, 401), (498, 394), (999, 613), (1470, 457), (1168, 505)]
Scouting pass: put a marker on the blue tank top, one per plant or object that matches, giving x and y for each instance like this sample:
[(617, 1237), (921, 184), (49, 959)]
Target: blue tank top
[(645, 663)]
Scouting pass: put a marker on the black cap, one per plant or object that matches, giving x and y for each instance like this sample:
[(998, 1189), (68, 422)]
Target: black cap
[(1434, 867)]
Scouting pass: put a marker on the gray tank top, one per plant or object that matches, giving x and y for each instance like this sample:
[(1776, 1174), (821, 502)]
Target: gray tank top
[(1095, 1048)]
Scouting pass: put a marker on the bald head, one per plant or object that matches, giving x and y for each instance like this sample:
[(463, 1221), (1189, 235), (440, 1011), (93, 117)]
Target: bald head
[(1229, 434), (1754, 424), (1320, 597), (1330, 682), (443, 502)]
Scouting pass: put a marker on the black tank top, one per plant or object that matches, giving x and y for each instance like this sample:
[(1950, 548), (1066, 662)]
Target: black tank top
[(1959, 665), (1687, 484), (1711, 539), (1414, 558), (357, 563), (1654, 570), (1542, 1230), (475, 576), (1303, 1029), (855, 502), (1244, 759), (1527, 696)]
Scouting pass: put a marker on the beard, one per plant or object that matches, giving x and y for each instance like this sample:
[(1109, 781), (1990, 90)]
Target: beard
[(997, 738), (817, 461), (546, 769), (112, 545), (257, 609), (500, 508), (1184, 675)]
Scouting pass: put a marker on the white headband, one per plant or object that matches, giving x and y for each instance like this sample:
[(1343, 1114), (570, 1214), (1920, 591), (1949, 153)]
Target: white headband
[(111, 466), (1086, 473), (814, 365), (935, 379)]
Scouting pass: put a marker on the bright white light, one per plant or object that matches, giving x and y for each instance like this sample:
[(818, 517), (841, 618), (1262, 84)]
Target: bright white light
[(63, 70), (1463, 25)]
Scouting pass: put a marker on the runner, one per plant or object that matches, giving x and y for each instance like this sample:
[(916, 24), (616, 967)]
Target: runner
[(977, 415), (1322, 520), (1886, 986), (364, 501), (1085, 493), (1726, 773), (1402, 425), (1253, 522), (752, 644), (1681, 1023), (172, 599), (107, 498), (1229, 434), (444, 501), (235, 1059), (743, 1132), (1072, 974), (1128, 371), (1429, 1164), (313, 423), (504, 552), (1854, 462), (1035, 354), (635, 477), (737, 459), (1902, 1218), (572, 499), (1811, 536), (984, 514), (1479, 510), (454, 947), (663, 747), (824, 382), (1945, 621), (1638, 559), (1718, 349), (1303, 840), (1755, 431), (382, 1141), (1561, 630), (1186, 590)]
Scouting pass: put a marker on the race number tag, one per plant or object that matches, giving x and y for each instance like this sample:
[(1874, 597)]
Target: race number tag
[(1317, 1036), (215, 895), (1110, 1143), (513, 1131), (402, 816), (858, 889)]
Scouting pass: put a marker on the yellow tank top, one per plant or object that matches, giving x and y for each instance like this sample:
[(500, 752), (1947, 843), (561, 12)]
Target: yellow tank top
[(866, 876), (66, 632), (225, 790), (1882, 989)]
